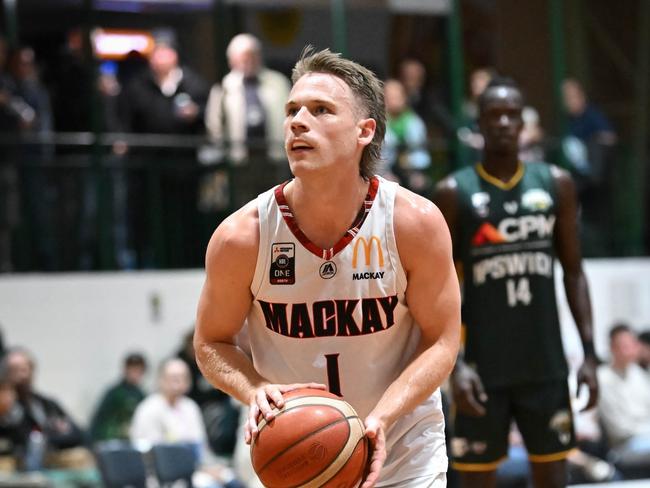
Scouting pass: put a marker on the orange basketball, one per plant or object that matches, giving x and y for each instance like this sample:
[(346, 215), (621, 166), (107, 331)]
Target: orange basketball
[(315, 440)]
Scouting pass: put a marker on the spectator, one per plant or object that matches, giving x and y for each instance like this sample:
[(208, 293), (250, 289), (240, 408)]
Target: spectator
[(624, 403), (14, 431), (167, 98), (644, 355), (220, 416), (246, 114), (13, 114), (38, 189), (413, 76), (531, 136), (405, 144), (64, 439), (112, 419), (588, 147), (169, 416)]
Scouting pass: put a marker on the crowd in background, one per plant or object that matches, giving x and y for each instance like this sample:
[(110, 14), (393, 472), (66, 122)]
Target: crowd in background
[(37, 433), (168, 194)]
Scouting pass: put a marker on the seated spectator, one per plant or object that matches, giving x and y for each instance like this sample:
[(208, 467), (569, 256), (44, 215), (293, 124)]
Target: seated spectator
[(63, 438), (220, 415), (405, 143), (644, 355), (624, 403), (112, 419), (169, 416), (14, 431)]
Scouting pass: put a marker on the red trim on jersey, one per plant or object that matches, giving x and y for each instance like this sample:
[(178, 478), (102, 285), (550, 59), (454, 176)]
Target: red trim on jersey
[(326, 254)]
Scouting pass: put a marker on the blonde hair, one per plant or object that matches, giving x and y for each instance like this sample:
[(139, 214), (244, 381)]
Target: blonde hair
[(367, 88)]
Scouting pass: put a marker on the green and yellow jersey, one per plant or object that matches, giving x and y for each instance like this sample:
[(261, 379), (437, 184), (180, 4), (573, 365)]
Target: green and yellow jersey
[(504, 240)]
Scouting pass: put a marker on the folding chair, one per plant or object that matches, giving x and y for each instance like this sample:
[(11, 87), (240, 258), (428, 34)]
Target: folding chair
[(174, 462), (121, 466)]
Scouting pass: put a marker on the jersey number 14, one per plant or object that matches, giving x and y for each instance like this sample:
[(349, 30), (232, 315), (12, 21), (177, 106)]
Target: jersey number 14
[(518, 292)]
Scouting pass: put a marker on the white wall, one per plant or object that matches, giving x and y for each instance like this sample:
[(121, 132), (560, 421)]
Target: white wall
[(79, 326)]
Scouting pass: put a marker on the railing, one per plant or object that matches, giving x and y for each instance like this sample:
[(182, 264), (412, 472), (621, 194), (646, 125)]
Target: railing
[(80, 201)]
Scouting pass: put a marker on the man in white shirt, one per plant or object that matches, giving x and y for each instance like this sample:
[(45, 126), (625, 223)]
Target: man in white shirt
[(624, 403)]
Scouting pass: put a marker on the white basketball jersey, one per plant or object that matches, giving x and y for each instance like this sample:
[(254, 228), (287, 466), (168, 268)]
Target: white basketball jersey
[(338, 316)]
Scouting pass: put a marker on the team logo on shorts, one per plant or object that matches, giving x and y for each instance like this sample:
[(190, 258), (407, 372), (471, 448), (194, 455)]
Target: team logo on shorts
[(327, 270), (561, 423), (283, 263)]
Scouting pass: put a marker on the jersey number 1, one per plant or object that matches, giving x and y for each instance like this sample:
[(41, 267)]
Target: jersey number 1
[(333, 377), (518, 292)]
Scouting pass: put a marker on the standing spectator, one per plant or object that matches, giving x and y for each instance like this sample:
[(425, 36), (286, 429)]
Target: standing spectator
[(14, 114), (246, 114), (166, 98), (112, 419), (405, 143), (644, 355), (220, 416), (426, 103), (588, 147), (64, 439), (38, 191), (624, 403)]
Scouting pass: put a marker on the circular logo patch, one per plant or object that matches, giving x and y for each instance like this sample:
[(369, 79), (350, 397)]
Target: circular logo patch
[(327, 270)]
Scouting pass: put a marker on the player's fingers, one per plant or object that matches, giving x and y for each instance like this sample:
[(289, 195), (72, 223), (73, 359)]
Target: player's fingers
[(275, 394), (479, 389), (263, 404), (472, 406)]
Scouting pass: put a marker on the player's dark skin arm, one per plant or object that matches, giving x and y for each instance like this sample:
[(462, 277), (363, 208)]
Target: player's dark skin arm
[(468, 391), (567, 248)]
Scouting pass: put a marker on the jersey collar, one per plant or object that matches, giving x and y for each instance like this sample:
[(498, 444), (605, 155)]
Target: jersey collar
[(503, 185), (327, 254)]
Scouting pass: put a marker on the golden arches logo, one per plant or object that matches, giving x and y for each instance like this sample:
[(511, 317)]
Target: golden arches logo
[(367, 250)]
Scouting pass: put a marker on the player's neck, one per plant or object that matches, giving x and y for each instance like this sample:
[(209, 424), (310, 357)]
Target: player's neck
[(500, 166), (325, 209)]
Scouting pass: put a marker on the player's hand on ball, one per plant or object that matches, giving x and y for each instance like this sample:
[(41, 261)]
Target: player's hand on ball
[(377, 437), (264, 400)]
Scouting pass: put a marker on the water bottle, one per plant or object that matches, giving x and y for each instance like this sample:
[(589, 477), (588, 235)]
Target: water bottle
[(35, 452)]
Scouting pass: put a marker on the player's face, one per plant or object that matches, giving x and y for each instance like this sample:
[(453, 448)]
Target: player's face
[(323, 125), (501, 121)]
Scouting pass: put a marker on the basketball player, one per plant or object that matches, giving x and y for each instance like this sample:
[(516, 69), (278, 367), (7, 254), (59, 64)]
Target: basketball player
[(345, 280), (508, 221)]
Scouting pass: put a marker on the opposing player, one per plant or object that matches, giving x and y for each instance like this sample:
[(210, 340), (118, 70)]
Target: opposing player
[(345, 280), (508, 222)]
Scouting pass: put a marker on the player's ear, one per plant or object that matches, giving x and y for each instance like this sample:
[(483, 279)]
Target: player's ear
[(366, 131)]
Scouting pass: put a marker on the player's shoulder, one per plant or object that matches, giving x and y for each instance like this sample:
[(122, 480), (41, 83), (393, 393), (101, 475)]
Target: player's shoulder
[(238, 234), (415, 215)]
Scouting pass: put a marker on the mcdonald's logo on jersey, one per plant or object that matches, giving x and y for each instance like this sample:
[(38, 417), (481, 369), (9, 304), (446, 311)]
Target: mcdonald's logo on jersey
[(368, 246)]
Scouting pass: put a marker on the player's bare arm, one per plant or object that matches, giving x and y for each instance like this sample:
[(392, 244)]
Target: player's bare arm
[(223, 306), (576, 288), (468, 390), (433, 298)]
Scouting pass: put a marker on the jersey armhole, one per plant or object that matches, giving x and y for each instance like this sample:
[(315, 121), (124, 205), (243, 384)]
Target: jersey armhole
[(391, 242), (263, 246)]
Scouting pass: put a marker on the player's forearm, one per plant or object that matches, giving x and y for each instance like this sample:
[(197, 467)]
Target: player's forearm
[(418, 381), (229, 369), (577, 293)]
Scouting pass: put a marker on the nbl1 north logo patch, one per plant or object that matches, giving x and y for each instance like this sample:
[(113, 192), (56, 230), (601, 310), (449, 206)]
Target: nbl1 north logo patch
[(283, 263), (327, 270)]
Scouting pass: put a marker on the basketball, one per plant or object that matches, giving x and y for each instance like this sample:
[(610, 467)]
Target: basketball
[(316, 439)]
